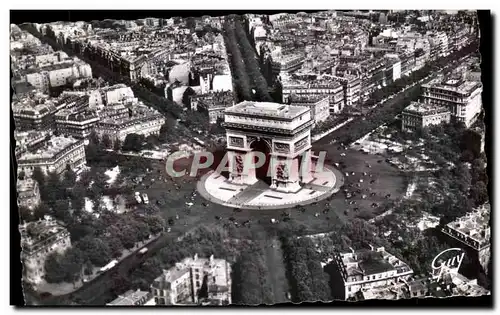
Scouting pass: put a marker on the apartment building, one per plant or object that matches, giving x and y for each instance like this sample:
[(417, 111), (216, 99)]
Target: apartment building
[(473, 231), (333, 89), (28, 193), (53, 156), (462, 97), (142, 121), (319, 105), (367, 269), (180, 285), (76, 124), (39, 239), (419, 115), (212, 104), (288, 63), (57, 74), (132, 298)]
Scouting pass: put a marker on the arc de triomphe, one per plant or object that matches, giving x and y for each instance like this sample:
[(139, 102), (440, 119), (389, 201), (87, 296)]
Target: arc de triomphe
[(282, 132)]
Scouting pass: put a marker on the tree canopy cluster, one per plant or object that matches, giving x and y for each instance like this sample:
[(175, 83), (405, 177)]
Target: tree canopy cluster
[(307, 279), (255, 289), (244, 63)]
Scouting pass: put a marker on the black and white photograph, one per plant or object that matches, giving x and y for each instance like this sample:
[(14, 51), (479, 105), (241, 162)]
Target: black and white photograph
[(251, 158)]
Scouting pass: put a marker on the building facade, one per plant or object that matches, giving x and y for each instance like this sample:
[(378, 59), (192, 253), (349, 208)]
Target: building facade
[(364, 270), (131, 298), (181, 284), (28, 193), (474, 232), (461, 97), (419, 115), (77, 125), (54, 156), (39, 239), (142, 124), (319, 106), (334, 90), (212, 104)]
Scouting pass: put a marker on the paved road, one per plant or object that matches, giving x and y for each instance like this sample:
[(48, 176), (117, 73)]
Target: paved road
[(275, 264)]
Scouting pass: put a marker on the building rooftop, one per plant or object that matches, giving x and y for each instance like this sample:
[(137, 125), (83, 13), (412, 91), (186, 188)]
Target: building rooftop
[(27, 184), (267, 109), (475, 225), (424, 109), (39, 231), (372, 261), (454, 84), (50, 149), (130, 297)]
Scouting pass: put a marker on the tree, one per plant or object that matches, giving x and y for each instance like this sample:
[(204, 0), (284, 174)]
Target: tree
[(72, 264), (479, 193), (39, 176), (115, 246), (106, 141), (96, 250), (26, 214), (41, 210), (54, 270), (117, 145), (21, 175), (133, 142), (156, 223), (61, 210), (129, 237), (186, 97), (69, 177)]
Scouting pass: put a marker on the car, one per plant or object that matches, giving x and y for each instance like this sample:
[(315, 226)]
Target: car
[(342, 154), (387, 196), (373, 194), (205, 204), (363, 197), (374, 205), (347, 174), (356, 209), (218, 218), (353, 173), (372, 181), (316, 214)]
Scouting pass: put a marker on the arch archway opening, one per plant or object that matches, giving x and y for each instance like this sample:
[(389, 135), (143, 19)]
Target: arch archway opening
[(262, 172)]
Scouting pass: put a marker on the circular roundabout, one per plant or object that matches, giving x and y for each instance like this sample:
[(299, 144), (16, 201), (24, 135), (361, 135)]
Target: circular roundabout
[(217, 189)]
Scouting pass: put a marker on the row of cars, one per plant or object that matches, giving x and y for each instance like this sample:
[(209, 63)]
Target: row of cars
[(141, 198)]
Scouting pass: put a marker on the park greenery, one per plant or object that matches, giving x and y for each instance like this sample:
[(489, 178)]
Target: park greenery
[(308, 281), (99, 236), (244, 63)]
